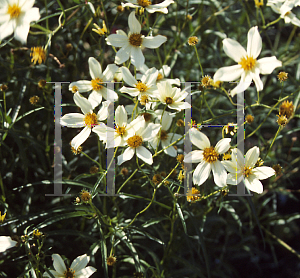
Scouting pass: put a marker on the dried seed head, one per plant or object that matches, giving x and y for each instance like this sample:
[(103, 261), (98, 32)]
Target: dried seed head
[(249, 119)]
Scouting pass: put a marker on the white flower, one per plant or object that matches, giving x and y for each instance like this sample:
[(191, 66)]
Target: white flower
[(96, 84), (165, 138), (88, 119), (131, 45), (240, 167), (143, 133), (173, 97), (248, 67), (208, 158), (161, 7), (77, 269), (284, 9), (122, 130), (15, 17), (163, 73), (6, 242), (145, 89)]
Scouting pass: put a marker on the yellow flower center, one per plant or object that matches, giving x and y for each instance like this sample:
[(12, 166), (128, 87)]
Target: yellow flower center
[(159, 77), (97, 84), (144, 99), (247, 63), (247, 171), (75, 89), (135, 141), (144, 3), (163, 135), (90, 120), (169, 100), (136, 39), (141, 87), (69, 273), (38, 54), (121, 130), (14, 11), (210, 155)]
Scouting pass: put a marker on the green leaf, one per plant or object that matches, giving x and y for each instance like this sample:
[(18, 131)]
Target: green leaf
[(181, 217)]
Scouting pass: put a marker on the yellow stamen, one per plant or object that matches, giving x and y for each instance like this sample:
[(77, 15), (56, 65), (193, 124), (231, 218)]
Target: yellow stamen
[(247, 62), (90, 120), (121, 130), (97, 84), (210, 155), (247, 171), (144, 3), (135, 141), (141, 87), (169, 100), (14, 11), (136, 39)]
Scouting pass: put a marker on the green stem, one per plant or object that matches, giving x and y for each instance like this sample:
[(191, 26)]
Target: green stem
[(198, 60), (278, 130)]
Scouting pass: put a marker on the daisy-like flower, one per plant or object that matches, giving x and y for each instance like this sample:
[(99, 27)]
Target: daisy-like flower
[(77, 269), (248, 68), (6, 242), (146, 4), (88, 119), (163, 135), (172, 97), (163, 73), (240, 167), (122, 130), (143, 133), (96, 85), (284, 9), (15, 17), (38, 54), (208, 158), (131, 45), (145, 89)]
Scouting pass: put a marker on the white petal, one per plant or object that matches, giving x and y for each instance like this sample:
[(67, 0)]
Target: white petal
[(95, 98), (130, 91), (199, 139), (81, 137), (83, 103), (258, 83), (86, 272), (254, 184), (137, 57), (58, 264), (95, 68), (123, 54), (144, 155), (6, 242), (254, 43), (201, 173), (125, 156), (128, 77), (110, 72), (154, 42), (75, 120), (268, 64), (231, 73), (21, 32), (244, 83), (179, 106), (263, 172), (171, 151), (117, 40), (80, 262), (230, 166), (103, 112), (121, 116), (223, 145), (238, 158), (219, 172), (82, 85), (233, 50), (193, 157), (133, 23), (251, 157), (234, 179), (6, 29), (26, 5), (32, 14)]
